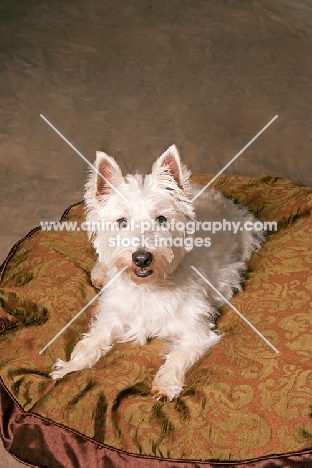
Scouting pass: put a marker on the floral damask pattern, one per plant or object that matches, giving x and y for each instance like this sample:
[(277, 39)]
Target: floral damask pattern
[(241, 400)]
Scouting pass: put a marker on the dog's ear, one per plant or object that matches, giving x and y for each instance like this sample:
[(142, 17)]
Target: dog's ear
[(169, 162), (108, 175)]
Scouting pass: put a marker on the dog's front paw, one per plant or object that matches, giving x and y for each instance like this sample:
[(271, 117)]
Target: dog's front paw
[(59, 369), (97, 283), (166, 387), (98, 275)]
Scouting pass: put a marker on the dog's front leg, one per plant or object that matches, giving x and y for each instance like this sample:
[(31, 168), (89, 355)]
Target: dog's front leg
[(169, 380), (98, 275), (86, 352)]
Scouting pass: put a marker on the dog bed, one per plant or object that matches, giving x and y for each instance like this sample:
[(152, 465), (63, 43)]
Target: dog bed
[(243, 404)]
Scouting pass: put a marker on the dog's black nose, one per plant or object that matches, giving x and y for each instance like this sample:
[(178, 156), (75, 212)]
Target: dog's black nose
[(142, 259)]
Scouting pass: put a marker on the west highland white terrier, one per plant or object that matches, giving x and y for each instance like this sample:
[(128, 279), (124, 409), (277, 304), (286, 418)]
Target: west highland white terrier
[(153, 233)]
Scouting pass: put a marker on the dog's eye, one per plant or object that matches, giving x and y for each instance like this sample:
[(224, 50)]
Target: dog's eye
[(122, 223), (161, 219)]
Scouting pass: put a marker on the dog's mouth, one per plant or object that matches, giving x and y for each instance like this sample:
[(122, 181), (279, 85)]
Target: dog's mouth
[(143, 272)]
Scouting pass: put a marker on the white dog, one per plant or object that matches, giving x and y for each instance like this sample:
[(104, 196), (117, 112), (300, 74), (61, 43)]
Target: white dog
[(152, 236)]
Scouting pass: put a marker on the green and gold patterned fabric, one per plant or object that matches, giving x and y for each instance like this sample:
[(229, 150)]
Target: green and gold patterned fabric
[(242, 401)]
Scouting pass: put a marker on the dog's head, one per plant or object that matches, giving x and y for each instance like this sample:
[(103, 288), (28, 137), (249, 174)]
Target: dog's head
[(137, 221)]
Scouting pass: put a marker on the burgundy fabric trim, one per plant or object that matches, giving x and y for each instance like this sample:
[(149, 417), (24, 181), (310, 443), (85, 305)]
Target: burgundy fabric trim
[(15, 246), (33, 439), (39, 442)]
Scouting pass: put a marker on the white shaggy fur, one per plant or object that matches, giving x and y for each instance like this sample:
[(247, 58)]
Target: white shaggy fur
[(158, 294)]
